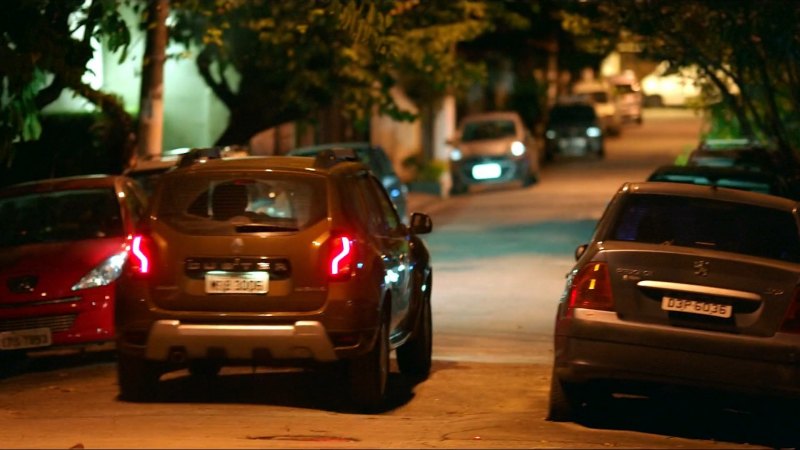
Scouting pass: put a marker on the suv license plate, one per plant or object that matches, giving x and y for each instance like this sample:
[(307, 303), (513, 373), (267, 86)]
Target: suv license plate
[(18, 339), (237, 282), (696, 307)]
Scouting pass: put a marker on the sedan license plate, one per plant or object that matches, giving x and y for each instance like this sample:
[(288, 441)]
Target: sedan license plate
[(237, 282), (19, 339), (696, 307), (486, 171)]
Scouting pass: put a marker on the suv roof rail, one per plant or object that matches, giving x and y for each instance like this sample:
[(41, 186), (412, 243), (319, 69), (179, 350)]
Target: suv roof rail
[(331, 157), (197, 155), (203, 154)]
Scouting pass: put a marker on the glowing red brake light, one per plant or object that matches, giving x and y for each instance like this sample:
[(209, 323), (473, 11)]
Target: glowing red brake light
[(141, 255), (342, 257), (791, 322), (591, 288)]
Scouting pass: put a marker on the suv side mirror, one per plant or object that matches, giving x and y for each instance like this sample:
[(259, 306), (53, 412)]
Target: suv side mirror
[(421, 223)]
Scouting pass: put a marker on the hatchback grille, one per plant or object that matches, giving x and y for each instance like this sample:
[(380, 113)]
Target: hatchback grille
[(55, 323)]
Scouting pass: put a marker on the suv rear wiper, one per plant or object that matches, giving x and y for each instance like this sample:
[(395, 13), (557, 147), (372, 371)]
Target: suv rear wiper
[(262, 228)]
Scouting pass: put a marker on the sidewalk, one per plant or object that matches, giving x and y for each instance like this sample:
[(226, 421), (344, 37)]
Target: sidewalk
[(421, 201)]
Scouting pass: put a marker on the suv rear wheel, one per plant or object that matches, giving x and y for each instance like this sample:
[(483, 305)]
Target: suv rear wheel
[(414, 357), (137, 378), (369, 373)]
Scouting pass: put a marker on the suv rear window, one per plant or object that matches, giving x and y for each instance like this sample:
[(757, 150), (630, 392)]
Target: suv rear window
[(213, 203), (709, 224)]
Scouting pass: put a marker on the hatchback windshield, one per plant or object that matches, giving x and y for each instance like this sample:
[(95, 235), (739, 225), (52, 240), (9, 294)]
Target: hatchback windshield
[(709, 224), (59, 216), (488, 129), (215, 203)]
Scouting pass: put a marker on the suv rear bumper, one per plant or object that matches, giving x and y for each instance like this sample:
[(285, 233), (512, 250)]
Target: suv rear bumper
[(169, 340)]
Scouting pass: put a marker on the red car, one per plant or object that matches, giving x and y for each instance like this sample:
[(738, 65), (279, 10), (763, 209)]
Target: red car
[(62, 246)]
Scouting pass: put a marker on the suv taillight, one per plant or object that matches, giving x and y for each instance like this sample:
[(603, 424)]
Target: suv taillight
[(342, 257), (141, 255), (591, 288), (791, 322)]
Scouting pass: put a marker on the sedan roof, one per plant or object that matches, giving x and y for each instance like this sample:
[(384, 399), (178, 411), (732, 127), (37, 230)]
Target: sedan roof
[(710, 192)]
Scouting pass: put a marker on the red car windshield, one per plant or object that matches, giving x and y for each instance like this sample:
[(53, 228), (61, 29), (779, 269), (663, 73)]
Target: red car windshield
[(59, 216)]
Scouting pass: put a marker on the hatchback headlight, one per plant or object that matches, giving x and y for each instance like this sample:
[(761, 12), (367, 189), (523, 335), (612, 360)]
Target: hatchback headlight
[(593, 132), (455, 155), (517, 148), (102, 275)]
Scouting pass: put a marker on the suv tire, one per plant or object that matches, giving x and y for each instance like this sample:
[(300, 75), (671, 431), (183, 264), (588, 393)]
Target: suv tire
[(137, 378), (414, 357), (368, 374)]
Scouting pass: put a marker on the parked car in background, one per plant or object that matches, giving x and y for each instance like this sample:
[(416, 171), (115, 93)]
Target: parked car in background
[(628, 96), (729, 177), (669, 86), (147, 171), (62, 247), (493, 148), (275, 261), (573, 129), (378, 161), (600, 95), (682, 287), (741, 153)]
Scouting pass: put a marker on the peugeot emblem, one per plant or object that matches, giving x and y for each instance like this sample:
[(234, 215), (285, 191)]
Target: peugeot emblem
[(23, 285), (701, 268), (237, 245)]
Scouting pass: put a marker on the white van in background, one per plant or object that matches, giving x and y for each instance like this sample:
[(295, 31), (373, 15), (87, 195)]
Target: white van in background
[(628, 96), (601, 96)]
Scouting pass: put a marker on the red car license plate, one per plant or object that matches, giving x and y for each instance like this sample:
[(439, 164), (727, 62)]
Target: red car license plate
[(20, 339)]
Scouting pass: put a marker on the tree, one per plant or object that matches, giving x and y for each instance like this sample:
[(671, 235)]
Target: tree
[(45, 46), (748, 57), (272, 62)]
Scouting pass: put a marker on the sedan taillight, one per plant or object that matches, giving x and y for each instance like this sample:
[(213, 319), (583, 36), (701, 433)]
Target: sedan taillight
[(791, 322), (342, 257), (591, 288)]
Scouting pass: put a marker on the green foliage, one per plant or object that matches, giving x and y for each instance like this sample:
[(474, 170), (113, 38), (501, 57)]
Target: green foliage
[(45, 46), (424, 169), (69, 144), (300, 57), (747, 56)]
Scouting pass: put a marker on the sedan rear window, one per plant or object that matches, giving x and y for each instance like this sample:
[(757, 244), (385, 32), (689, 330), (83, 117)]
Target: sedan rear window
[(709, 224), (220, 203)]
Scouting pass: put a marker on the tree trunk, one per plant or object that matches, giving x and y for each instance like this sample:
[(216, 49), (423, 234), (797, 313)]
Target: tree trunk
[(151, 102)]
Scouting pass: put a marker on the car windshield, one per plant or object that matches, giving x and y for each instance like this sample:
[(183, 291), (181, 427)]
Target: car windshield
[(219, 203), (488, 129), (59, 216), (708, 224), (572, 113)]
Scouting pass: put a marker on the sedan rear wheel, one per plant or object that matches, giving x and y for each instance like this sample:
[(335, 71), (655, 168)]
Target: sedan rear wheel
[(565, 400), (369, 373)]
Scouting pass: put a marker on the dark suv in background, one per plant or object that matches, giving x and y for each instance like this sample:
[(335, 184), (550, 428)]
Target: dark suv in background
[(375, 157), (275, 261), (573, 129)]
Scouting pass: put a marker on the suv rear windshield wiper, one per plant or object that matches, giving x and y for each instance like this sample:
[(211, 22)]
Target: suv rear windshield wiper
[(262, 228)]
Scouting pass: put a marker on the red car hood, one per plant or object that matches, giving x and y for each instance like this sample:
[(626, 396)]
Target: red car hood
[(51, 269)]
